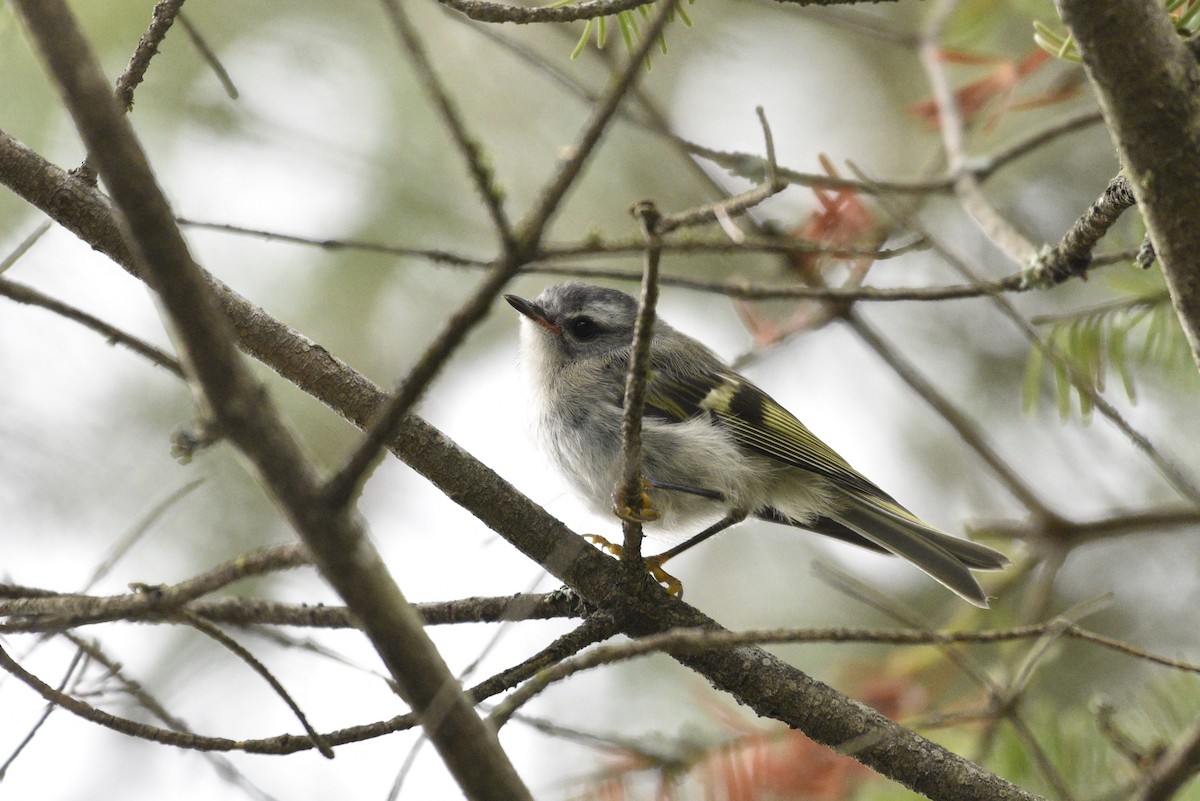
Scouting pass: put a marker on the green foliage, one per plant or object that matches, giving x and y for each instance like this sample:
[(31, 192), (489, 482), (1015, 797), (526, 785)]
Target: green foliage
[(627, 22), (1098, 744), (1184, 13), (1059, 45), (1139, 329)]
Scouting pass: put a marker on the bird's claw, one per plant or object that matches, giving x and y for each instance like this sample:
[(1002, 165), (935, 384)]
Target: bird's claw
[(645, 513), (672, 585), (605, 545)]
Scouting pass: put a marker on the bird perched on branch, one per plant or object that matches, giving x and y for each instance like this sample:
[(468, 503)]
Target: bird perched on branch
[(713, 444)]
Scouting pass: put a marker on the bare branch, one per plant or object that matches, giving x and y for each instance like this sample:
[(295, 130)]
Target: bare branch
[(62, 611), (966, 186), (209, 56), (488, 11), (242, 653), (165, 12), (629, 492), (469, 147), (771, 185), (32, 297), (345, 555), (1071, 257), (1168, 468), (133, 689), (689, 641), (1145, 76), (32, 610), (971, 434), (532, 227), (68, 675), (26, 244)]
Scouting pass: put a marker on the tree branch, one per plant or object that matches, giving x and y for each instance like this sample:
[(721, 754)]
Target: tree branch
[(768, 685), (1146, 78), (244, 413)]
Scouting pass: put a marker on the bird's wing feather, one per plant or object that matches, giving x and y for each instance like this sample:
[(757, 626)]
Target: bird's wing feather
[(757, 422), (913, 541)]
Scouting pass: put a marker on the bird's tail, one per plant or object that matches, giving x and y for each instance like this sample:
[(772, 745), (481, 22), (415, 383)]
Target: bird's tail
[(948, 559)]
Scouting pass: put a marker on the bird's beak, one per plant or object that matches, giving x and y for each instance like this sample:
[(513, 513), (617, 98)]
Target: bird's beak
[(533, 312)]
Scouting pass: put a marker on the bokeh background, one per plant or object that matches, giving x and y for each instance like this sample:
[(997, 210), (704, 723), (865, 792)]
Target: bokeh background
[(332, 138)]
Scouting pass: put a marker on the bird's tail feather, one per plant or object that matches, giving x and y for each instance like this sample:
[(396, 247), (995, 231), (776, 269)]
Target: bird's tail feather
[(947, 559)]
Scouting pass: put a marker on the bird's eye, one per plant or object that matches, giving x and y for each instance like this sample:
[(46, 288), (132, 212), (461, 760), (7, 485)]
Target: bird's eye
[(584, 328)]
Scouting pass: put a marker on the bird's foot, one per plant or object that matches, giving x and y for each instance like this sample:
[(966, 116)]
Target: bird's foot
[(605, 545), (645, 511), (654, 567), (672, 585)]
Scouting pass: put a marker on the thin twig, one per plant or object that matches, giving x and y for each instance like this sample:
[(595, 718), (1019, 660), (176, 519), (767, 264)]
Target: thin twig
[(34, 610), (68, 610), (436, 256), (679, 641), (469, 147), (532, 227), (771, 184), (209, 56), (752, 167), (75, 662), (24, 246), (165, 12), (1172, 472), (593, 630), (972, 434), (213, 632), (629, 492), (32, 297), (139, 530), (966, 186), (1072, 256), (134, 689)]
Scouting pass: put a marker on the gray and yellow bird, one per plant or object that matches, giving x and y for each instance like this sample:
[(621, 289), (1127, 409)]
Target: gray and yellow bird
[(716, 449)]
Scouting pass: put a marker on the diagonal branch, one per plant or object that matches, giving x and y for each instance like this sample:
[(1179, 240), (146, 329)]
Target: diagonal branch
[(765, 683), (533, 226), (1073, 255), (1146, 77), (518, 252), (242, 409), (32, 297), (468, 146), (243, 653)]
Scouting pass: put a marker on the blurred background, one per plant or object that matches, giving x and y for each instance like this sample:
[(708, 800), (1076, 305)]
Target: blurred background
[(331, 137)]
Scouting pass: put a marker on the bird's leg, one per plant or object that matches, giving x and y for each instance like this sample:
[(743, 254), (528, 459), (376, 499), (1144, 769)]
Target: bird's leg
[(671, 584), (648, 514), (732, 518), (654, 563), (703, 493)]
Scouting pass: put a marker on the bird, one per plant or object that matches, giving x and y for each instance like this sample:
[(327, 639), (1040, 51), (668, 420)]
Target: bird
[(716, 449)]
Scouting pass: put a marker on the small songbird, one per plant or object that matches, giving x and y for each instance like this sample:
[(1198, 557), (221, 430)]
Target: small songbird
[(713, 444)]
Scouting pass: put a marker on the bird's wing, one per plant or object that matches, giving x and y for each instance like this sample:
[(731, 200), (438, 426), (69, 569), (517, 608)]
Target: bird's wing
[(869, 515), (758, 423)]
